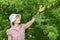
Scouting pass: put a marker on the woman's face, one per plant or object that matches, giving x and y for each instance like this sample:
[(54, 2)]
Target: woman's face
[(17, 21)]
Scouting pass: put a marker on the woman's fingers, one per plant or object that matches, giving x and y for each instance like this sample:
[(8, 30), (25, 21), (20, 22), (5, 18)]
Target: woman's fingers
[(41, 8)]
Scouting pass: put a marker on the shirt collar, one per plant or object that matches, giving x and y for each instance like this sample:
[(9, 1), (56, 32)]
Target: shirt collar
[(15, 28)]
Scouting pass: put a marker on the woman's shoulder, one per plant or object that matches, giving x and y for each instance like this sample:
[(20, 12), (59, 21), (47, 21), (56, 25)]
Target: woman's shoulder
[(22, 25), (8, 30)]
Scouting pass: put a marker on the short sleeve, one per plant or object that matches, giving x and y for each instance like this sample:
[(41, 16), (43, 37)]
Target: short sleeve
[(23, 26), (9, 33)]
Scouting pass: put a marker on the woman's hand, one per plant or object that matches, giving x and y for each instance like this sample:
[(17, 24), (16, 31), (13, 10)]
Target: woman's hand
[(41, 8)]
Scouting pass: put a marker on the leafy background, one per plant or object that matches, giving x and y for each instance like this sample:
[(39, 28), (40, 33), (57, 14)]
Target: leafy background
[(47, 24)]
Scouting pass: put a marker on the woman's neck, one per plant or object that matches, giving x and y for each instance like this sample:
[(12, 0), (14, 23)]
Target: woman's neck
[(16, 25)]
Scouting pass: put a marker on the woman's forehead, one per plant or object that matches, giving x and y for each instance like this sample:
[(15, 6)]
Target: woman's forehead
[(18, 16)]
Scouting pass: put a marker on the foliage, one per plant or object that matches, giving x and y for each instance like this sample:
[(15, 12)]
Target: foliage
[(47, 24)]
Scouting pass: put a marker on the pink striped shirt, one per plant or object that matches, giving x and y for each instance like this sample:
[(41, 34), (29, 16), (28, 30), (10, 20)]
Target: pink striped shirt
[(17, 34)]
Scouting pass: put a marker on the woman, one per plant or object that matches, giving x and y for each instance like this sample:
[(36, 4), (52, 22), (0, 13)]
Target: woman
[(17, 30)]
